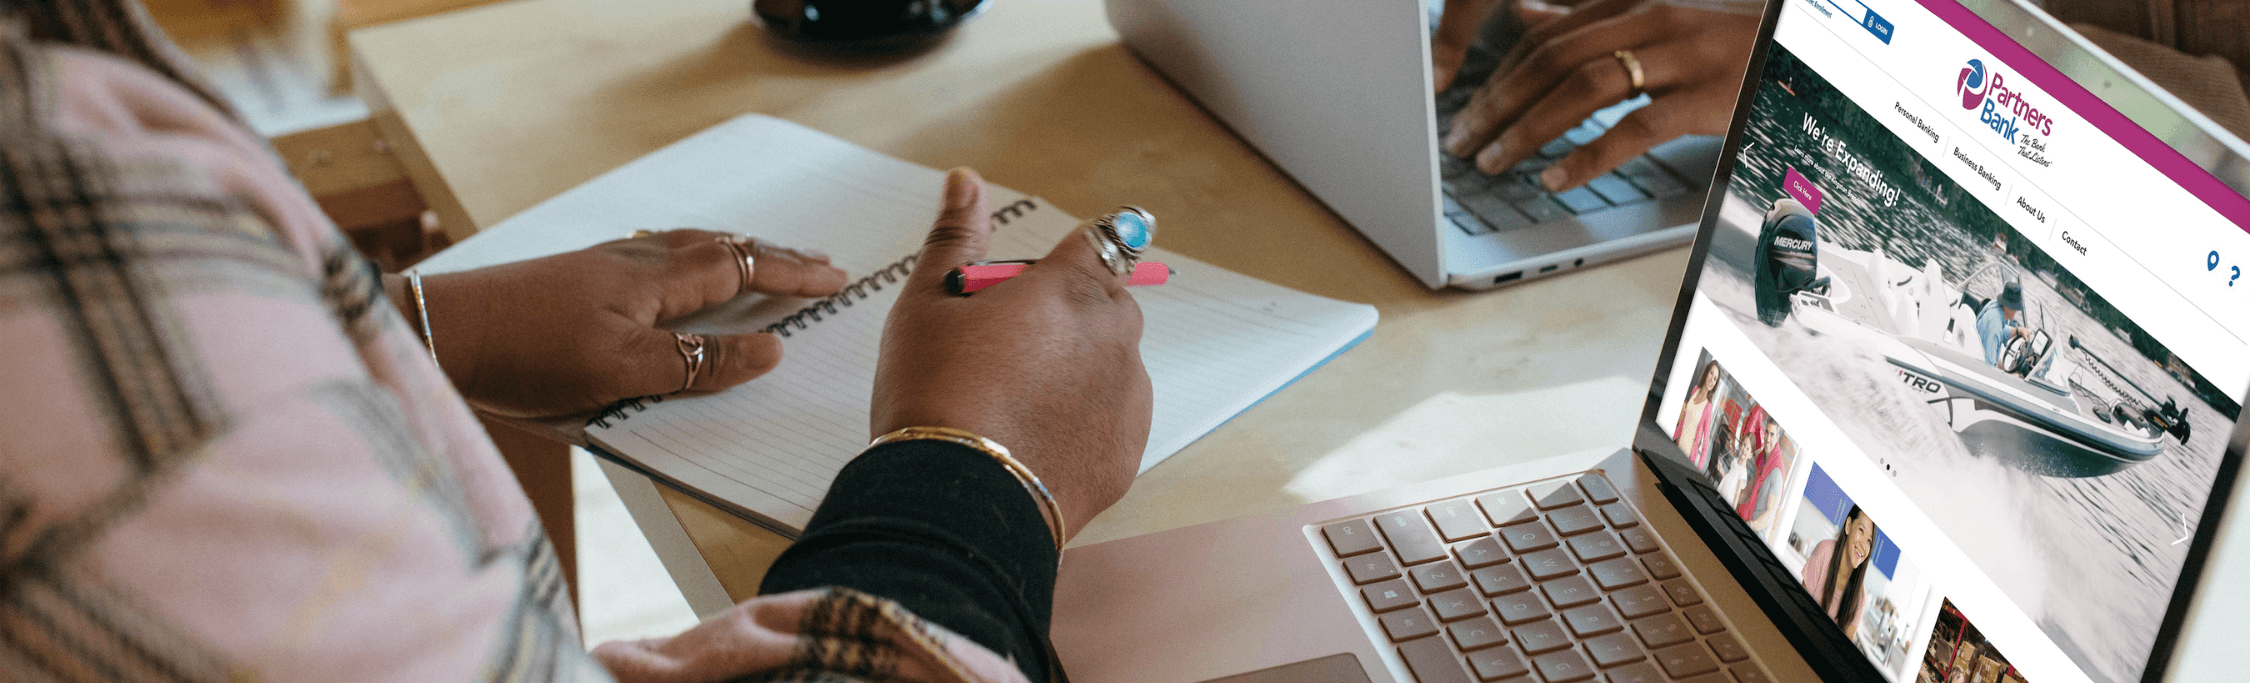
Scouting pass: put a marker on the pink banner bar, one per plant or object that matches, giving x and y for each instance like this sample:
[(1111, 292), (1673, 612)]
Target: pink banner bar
[(1801, 189)]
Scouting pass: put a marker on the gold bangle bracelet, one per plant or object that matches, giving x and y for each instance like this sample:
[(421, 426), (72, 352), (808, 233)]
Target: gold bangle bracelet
[(422, 310), (998, 452)]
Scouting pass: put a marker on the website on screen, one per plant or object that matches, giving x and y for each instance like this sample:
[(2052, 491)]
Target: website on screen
[(1965, 361)]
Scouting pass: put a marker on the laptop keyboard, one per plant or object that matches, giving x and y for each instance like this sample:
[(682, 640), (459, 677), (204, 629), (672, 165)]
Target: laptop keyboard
[(1479, 204), (1554, 582)]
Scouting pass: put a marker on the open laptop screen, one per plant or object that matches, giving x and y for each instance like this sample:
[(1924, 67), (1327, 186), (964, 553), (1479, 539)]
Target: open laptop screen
[(1966, 349)]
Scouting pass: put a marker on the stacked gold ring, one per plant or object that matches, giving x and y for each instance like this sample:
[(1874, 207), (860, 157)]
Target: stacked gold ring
[(1633, 70), (745, 257), (691, 351)]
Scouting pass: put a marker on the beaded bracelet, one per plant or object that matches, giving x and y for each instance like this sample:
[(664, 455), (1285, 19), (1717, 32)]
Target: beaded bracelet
[(998, 452)]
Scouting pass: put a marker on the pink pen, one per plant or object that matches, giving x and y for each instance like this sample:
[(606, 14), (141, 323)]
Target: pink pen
[(981, 274)]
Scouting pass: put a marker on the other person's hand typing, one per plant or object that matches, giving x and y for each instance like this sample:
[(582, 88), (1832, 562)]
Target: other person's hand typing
[(1566, 67)]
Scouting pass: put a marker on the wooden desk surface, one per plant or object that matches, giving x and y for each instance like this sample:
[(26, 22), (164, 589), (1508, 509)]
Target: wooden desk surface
[(508, 104)]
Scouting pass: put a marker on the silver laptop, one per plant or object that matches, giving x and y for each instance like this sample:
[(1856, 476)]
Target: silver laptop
[(1923, 414), (1337, 94)]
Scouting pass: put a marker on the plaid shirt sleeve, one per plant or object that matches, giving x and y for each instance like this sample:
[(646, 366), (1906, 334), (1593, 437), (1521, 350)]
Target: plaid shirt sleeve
[(224, 455)]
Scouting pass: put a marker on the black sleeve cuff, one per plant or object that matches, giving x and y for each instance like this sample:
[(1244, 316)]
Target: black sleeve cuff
[(942, 529)]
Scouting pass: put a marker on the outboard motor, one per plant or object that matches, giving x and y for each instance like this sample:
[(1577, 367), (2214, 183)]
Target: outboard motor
[(1786, 261), (2171, 418)]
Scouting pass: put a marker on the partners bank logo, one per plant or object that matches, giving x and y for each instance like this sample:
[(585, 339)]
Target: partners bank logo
[(2005, 111)]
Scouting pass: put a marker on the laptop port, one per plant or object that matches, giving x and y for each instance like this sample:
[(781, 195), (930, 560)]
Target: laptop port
[(1511, 277), (1548, 269), (1579, 262)]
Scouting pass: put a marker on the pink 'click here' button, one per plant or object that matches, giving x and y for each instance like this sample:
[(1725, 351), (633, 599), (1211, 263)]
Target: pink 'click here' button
[(1801, 189)]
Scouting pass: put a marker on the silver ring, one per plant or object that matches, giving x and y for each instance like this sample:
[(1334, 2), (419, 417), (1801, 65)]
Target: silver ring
[(691, 351), (745, 258), (1121, 247)]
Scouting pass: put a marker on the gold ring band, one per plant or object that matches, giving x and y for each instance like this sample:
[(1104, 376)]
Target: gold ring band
[(745, 258), (691, 351), (1632, 66)]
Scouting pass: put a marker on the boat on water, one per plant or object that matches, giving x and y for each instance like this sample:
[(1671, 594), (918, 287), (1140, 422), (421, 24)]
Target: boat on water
[(2058, 412)]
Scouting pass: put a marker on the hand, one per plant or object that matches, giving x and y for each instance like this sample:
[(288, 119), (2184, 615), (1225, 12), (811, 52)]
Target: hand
[(573, 332), (1564, 69), (1047, 364)]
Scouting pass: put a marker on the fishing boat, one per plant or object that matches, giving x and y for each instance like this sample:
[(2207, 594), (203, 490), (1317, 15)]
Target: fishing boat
[(2058, 412)]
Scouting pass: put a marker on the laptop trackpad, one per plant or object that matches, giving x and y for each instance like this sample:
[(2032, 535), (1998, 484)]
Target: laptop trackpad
[(1337, 668)]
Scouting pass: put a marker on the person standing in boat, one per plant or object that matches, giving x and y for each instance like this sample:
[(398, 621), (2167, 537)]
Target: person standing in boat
[(1698, 414), (1836, 570), (2001, 320)]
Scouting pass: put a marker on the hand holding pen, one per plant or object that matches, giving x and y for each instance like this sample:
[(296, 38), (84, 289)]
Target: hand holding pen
[(1049, 366)]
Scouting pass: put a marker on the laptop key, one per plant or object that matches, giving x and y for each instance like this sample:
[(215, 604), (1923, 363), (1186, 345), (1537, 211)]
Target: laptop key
[(1351, 537), (1548, 564), (1478, 633), (1410, 537), (1636, 673), (1408, 624), (1366, 569), (1597, 546), (1563, 667), (1728, 648), (1598, 489), (1704, 619), (1641, 540), (1593, 620), (1619, 573), (1684, 660), (1581, 135), (1506, 507), (1640, 601), (1431, 662), (1555, 495), (1581, 200), (1543, 208), (1683, 594), (1495, 663), (1456, 604), (1519, 608), (1616, 190), (1457, 519), (1493, 208), (1556, 148), (1660, 566), (1748, 672), (1442, 576), (1467, 224), (1663, 630), (1542, 636), (1614, 650), (1483, 552), (1576, 519), (1527, 537), (1570, 591), (1620, 516), (1389, 595), (1500, 580)]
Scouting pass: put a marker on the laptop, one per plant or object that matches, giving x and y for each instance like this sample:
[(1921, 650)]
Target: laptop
[(1338, 95), (1928, 410)]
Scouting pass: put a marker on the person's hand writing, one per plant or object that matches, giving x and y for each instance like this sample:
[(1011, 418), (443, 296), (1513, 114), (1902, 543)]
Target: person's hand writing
[(573, 332), (1047, 364), (1565, 68)]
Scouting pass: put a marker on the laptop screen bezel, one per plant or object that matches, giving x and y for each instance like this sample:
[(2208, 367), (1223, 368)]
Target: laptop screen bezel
[(1816, 636)]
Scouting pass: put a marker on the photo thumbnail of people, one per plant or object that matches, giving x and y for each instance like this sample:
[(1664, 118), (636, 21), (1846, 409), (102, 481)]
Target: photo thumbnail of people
[(1741, 448), (2049, 436), (1958, 653), (1855, 572)]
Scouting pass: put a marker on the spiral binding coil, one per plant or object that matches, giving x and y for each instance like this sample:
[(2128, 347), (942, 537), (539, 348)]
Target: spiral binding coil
[(617, 411), (852, 293)]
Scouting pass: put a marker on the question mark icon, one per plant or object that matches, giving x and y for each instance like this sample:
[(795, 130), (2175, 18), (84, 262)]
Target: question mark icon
[(2211, 262), (2237, 275)]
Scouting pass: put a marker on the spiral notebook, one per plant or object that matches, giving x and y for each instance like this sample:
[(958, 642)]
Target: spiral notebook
[(1215, 342)]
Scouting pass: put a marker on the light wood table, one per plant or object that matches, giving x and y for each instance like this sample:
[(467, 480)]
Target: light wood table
[(496, 108)]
